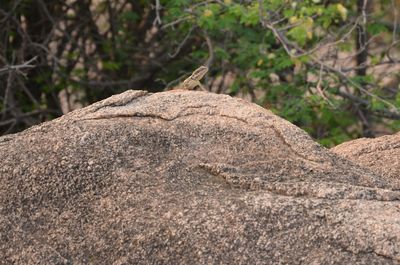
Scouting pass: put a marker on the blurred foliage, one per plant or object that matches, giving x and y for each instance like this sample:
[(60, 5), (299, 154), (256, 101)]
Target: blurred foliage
[(93, 49)]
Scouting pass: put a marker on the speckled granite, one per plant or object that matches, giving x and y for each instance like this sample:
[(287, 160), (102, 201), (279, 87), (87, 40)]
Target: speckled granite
[(187, 178)]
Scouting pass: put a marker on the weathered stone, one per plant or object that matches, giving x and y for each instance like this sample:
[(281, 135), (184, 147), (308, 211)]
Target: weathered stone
[(187, 177), (381, 155)]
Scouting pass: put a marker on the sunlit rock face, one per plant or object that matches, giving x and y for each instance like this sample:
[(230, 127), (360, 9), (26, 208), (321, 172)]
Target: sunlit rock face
[(188, 177)]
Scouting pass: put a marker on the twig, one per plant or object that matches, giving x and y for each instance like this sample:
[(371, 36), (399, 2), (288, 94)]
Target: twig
[(183, 42), (18, 68), (7, 94), (12, 11), (294, 51), (318, 87), (157, 20), (354, 84), (210, 50), (381, 113), (395, 10), (173, 23), (173, 82), (388, 52)]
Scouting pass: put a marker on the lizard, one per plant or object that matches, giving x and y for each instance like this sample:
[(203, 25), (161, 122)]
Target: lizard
[(193, 80)]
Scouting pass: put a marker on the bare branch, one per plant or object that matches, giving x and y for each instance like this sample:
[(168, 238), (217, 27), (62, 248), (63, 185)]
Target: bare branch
[(395, 22), (157, 20), (183, 42), (210, 50), (19, 67), (173, 23), (381, 113), (319, 89), (295, 51)]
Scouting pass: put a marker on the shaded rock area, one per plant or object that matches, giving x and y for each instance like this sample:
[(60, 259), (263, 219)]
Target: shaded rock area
[(187, 177), (381, 155)]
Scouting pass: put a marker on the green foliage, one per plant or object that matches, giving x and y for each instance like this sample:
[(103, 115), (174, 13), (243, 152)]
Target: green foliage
[(129, 16), (257, 52), (132, 44), (377, 28), (113, 66)]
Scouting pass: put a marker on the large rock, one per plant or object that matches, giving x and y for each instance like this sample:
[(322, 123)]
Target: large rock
[(381, 155), (187, 177)]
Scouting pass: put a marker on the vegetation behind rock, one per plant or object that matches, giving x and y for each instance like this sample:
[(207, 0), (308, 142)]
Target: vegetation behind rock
[(330, 67)]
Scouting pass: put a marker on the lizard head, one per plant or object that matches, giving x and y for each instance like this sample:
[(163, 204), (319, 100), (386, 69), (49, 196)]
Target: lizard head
[(199, 72)]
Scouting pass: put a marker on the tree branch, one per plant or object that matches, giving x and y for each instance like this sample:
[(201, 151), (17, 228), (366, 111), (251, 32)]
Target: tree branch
[(19, 67)]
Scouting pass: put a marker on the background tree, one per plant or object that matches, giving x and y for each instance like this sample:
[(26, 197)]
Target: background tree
[(330, 67)]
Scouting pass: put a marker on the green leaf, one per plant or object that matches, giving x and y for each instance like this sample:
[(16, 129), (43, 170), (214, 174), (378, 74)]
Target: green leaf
[(376, 28), (377, 104), (326, 21), (346, 46), (258, 74), (235, 88), (236, 10), (288, 13), (251, 16), (129, 16), (111, 65), (283, 63), (221, 53), (299, 34)]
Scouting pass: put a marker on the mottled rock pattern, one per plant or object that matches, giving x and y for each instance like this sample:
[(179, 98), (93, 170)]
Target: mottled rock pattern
[(187, 177), (381, 155)]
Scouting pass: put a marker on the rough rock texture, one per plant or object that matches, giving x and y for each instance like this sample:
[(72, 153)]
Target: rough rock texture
[(381, 155), (187, 177)]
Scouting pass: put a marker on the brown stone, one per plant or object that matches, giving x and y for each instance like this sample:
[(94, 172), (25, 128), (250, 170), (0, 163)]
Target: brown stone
[(381, 155), (187, 178)]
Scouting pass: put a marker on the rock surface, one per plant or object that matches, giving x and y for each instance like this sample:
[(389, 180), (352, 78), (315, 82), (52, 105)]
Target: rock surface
[(187, 177), (381, 155)]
